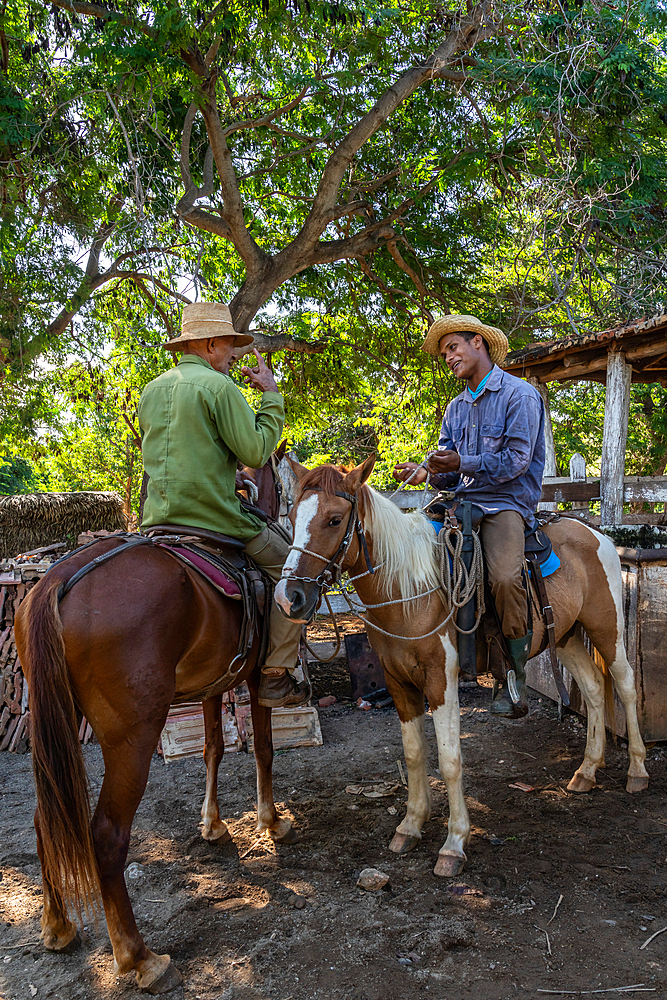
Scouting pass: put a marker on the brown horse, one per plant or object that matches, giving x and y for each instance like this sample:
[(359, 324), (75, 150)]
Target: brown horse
[(341, 524), (128, 640)]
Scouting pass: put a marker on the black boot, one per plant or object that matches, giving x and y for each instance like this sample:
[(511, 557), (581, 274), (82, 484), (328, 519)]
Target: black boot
[(502, 704)]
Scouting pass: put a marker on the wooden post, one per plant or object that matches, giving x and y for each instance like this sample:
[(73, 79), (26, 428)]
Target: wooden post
[(577, 475), (614, 438), (550, 468)]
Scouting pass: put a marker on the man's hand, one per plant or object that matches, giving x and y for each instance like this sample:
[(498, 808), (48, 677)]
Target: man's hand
[(440, 462), (260, 377), (404, 471)]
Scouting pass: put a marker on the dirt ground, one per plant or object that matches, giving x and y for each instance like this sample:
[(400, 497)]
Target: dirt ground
[(559, 892)]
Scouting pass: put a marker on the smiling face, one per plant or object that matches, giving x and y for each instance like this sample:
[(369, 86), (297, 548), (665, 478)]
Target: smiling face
[(467, 359)]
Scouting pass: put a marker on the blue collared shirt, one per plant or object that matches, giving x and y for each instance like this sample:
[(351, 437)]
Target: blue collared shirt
[(499, 436)]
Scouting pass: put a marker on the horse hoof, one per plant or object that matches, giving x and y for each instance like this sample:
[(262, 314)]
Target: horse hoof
[(580, 785), (63, 945), (168, 980), (449, 865), (216, 834), (639, 784), (402, 843), (289, 837)]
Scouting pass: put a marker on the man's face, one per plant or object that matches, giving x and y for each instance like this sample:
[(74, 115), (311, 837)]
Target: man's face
[(460, 355), (220, 353)]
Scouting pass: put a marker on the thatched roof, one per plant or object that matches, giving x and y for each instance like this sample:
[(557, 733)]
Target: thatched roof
[(30, 520)]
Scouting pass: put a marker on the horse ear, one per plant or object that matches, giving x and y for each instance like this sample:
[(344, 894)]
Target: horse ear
[(280, 450), (355, 479), (298, 470)]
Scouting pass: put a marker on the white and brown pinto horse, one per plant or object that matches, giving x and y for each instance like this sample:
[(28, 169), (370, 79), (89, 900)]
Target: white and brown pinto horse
[(584, 593)]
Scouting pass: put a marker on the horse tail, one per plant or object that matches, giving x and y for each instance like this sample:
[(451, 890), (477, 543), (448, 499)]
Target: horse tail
[(609, 706), (63, 806)]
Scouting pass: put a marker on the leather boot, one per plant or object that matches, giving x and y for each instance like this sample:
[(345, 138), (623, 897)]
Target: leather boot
[(282, 691), (502, 704)]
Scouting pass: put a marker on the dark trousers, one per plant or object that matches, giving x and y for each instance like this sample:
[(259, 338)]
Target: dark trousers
[(503, 541)]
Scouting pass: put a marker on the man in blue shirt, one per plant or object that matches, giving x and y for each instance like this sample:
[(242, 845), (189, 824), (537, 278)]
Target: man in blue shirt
[(490, 451)]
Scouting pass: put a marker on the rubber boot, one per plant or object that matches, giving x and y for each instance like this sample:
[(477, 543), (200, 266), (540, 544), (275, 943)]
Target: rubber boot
[(502, 704)]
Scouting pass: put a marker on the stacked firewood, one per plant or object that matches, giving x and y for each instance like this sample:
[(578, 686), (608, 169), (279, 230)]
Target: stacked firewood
[(14, 714)]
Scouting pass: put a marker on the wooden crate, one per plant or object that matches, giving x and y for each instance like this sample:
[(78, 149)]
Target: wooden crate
[(183, 733), (291, 728), (645, 605)]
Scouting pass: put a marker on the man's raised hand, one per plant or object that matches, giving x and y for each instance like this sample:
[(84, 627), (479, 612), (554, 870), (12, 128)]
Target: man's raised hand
[(260, 377), (404, 471)]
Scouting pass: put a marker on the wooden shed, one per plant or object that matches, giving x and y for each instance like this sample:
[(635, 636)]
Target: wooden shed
[(636, 352)]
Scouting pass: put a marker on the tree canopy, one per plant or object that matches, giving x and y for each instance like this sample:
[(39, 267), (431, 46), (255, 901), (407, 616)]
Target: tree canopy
[(340, 172)]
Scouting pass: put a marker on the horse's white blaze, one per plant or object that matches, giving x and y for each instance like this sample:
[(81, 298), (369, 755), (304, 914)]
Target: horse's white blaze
[(419, 796), (447, 722), (305, 513)]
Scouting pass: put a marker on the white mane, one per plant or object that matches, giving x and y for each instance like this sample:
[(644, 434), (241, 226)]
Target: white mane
[(405, 545)]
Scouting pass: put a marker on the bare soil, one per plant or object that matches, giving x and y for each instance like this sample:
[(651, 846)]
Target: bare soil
[(226, 914)]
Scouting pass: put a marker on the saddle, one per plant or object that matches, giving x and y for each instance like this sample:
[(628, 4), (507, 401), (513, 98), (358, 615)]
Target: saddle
[(537, 544), (219, 559), (541, 561)]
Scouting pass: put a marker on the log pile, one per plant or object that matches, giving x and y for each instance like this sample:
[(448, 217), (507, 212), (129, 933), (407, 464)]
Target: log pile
[(14, 714)]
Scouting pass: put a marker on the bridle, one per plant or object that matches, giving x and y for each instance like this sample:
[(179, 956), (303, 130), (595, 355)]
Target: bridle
[(333, 569)]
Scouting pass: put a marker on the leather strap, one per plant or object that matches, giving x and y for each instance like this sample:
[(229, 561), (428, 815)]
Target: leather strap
[(548, 614)]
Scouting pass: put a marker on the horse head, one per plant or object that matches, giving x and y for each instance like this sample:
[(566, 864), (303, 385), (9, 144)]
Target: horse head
[(328, 536), (263, 486)]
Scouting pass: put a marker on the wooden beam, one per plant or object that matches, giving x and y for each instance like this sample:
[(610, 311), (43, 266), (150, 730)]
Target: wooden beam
[(614, 438), (567, 367)]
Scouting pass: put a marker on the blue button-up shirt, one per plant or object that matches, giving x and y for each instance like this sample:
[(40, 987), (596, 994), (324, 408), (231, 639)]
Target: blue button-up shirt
[(499, 437)]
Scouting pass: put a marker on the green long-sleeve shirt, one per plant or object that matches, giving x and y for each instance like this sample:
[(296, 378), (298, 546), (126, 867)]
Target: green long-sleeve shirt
[(195, 425)]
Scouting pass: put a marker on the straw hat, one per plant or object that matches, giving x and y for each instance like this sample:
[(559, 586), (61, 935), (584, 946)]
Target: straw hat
[(202, 320), (496, 341)]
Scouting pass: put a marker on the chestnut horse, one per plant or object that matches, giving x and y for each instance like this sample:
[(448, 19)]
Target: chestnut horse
[(129, 639), (338, 522)]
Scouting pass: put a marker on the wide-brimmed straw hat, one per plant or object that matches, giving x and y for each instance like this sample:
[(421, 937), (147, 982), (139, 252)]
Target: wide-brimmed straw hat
[(496, 341), (202, 320)]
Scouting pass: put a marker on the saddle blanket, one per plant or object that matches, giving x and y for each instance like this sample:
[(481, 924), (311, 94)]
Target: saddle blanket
[(550, 564), (208, 570)]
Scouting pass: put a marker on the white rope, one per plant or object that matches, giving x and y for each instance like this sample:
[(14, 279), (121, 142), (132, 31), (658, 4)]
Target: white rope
[(459, 584)]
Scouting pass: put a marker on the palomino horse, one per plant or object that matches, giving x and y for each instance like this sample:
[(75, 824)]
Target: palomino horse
[(128, 640), (341, 524)]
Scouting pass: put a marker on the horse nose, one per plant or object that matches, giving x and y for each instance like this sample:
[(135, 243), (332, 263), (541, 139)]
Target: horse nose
[(297, 599)]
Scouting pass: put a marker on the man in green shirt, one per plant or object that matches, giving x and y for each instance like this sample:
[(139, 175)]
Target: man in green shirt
[(196, 426)]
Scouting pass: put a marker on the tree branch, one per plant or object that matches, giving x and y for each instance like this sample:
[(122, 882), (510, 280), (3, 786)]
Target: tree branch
[(282, 342), (385, 106)]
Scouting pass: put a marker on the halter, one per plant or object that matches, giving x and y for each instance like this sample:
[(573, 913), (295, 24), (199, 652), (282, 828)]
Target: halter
[(333, 569)]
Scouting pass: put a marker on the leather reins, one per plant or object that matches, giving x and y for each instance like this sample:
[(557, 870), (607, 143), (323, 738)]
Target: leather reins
[(331, 574)]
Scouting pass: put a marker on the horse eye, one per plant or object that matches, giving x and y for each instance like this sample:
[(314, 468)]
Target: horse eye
[(335, 521)]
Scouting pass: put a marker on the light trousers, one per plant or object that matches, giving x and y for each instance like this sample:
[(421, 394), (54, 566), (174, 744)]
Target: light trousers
[(503, 542), (269, 550)]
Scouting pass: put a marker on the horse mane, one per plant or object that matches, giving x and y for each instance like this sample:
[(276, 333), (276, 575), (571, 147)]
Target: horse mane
[(403, 543)]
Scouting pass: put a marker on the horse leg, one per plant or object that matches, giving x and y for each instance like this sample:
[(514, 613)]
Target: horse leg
[(58, 931), (279, 828), (126, 772), (624, 679), (576, 658), (447, 722), (410, 705), (213, 827)]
